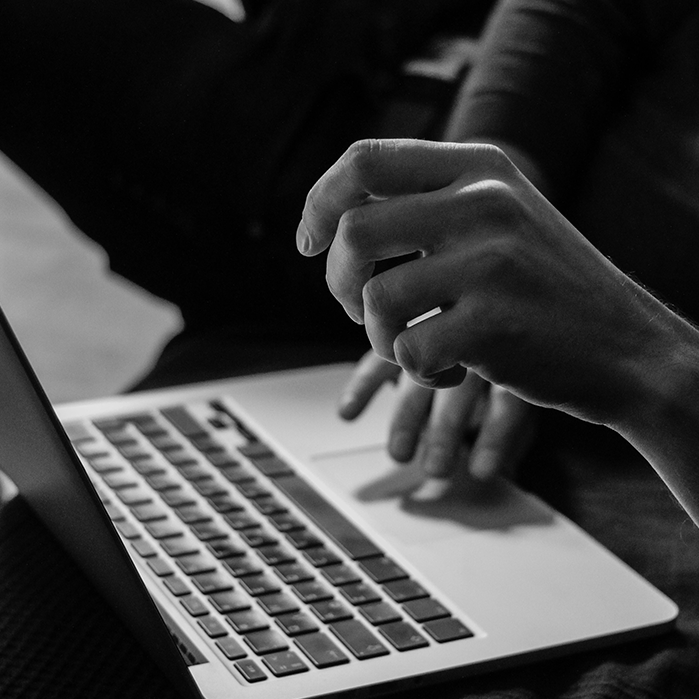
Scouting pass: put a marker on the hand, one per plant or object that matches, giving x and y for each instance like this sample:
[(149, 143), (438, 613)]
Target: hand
[(526, 301), (477, 427)]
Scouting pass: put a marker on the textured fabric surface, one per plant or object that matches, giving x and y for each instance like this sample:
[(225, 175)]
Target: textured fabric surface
[(59, 639)]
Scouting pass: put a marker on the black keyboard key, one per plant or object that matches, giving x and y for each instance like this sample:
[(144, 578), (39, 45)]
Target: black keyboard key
[(176, 585), (194, 472), (250, 671), (106, 464), (162, 441), (345, 534), (261, 584), (177, 497), (449, 629), (247, 620), (277, 603), (195, 564), (231, 648), (321, 650), (275, 554), (117, 480), (127, 530), (180, 546), (179, 457), (271, 466), (144, 548), (148, 512), (302, 538), (321, 556), (180, 417), (252, 490), (382, 569), (312, 591), (223, 502), (361, 642), (212, 627), (162, 482), (404, 590), (292, 573), (192, 513), (135, 496), (206, 443), (359, 593), (257, 537), (287, 523), (241, 520), (255, 450), (208, 531), (269, 506), (133, 452), (296, 623), (331, 610), (425, 609), (163, 529), (242, 566), (194, 606), (230, 601), (379, 613), (148, 467), (225, 548), (284, 663), (159, 566), (209, 583), (266, 641), (77, 431), (403, 636), (209, 487), (236, 473), (339, 574)]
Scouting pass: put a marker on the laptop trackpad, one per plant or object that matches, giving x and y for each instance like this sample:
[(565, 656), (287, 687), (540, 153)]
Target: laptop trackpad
[(410, 509)]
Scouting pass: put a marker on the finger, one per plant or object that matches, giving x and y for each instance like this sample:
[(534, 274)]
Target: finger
[(377, 167), (506, 433), (409, 418), (448, 423), (367, 378), (385, 230), (395, 298), (436, 352)]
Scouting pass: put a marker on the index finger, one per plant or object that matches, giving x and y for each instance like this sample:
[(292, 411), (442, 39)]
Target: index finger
[(381, 168)]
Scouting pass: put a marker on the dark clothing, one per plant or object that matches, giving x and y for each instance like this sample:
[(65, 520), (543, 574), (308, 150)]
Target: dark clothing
[(604, 95), (185, 143)]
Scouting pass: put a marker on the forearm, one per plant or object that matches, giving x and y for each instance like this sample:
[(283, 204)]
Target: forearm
[(663, 423), (552, 74)]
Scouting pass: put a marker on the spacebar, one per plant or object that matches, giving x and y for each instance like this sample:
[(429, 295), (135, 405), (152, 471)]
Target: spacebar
[(355, 544)]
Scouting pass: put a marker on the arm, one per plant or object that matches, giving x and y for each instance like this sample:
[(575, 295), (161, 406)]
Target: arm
[(526, 301)]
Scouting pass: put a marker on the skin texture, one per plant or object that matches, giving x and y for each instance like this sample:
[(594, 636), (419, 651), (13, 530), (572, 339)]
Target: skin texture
[(526, 301)]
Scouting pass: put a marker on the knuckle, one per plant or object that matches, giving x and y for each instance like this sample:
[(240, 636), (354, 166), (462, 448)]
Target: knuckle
[(352, 229), (377, 297), (495, 158), (360, 157)]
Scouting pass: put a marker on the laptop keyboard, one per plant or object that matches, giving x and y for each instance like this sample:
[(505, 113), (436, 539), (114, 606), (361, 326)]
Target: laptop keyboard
[(277, 579)]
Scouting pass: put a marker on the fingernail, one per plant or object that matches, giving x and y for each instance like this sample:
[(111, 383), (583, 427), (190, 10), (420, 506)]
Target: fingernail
[(400, 446), (303, 240), (348, 406), (483, 465)]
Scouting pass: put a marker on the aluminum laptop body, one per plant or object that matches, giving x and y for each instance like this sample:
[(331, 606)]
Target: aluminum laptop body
[(464, 584)]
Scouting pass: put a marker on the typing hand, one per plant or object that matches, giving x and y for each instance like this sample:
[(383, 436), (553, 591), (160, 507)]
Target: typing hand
[(476, 426)]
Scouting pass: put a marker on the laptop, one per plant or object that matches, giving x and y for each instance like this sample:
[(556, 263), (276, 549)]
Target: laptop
[(258, 546)]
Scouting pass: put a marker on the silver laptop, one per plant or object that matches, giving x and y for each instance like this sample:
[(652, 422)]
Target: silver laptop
[(258, 546)]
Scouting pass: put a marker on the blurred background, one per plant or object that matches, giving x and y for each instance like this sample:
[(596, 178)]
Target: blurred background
[(86, 332)]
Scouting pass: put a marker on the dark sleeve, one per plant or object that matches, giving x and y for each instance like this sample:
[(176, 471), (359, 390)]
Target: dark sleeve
[(554, 72)]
